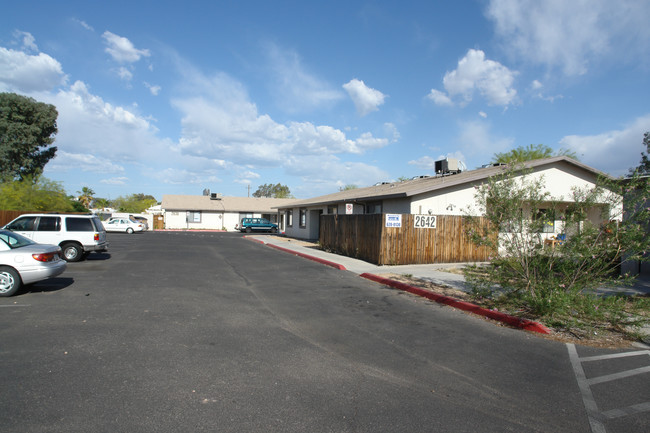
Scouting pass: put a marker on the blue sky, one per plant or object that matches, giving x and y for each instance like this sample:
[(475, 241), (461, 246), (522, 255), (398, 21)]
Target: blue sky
[(161, 97)]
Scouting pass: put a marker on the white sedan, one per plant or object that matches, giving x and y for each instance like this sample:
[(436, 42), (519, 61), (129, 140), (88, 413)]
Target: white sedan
[(124, 225), (23, 261)]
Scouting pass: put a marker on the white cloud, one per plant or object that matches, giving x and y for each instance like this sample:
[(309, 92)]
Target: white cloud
[(295, 88), (124, 74), (425, 162), (26, 73), (475, 73), (483, 114), (66, 161), (221, 120), (83, 24), (365, 99), (478, 144), (440, 98), (572, 34), (322, 174), (154, 90), (122, 180), (27, 40), (615, 151), (122, 50)]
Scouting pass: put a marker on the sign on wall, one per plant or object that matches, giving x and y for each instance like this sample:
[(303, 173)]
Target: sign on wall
[(424, 221), (393, 220), (349, 208)]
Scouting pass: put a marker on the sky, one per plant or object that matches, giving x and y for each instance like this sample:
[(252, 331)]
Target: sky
[(168, 97)]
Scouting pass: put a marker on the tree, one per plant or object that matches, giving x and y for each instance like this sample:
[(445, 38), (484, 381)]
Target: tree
[(530, 152), (557, 283), (274, 191), (86, 196), (349, 187), (31, 194), (27, 130), (135, 203), (644, 166)]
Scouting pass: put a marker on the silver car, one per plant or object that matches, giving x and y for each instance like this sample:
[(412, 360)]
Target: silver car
[(22, 261)]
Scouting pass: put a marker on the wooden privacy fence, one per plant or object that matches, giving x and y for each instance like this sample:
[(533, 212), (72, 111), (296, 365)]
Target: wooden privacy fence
[(366, 237), (6, 216)]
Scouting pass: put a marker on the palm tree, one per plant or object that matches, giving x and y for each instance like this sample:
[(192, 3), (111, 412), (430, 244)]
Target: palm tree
[(86, 196)]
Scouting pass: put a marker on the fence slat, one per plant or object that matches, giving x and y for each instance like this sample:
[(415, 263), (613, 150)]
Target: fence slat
[(367, 238)]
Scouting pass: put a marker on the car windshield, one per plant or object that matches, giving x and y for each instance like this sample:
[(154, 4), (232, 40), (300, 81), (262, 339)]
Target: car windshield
[(14, 240)]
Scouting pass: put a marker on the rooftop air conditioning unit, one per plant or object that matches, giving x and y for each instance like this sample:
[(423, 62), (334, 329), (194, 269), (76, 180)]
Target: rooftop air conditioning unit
[(216, 196), (447, 166)]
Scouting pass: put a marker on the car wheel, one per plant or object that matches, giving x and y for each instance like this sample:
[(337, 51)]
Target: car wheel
[(248, 230), (129, 230), (72, 252), (9, 281), (274, 230)]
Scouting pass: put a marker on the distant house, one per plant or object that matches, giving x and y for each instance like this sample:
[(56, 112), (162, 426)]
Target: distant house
[(215, 211), (444, 194)]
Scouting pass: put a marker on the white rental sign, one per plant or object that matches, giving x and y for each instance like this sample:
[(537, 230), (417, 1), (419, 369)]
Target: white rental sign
[(424, 222), (393, 220)]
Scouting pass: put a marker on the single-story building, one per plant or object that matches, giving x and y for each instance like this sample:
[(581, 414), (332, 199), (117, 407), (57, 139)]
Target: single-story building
[(447, 193), (215, 211)]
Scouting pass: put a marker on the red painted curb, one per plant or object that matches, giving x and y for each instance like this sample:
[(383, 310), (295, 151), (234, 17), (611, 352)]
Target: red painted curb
[(516, 322), (307, 256)]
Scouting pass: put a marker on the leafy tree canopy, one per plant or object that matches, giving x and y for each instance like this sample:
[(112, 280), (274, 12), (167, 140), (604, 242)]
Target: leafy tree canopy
[(27, 130), (530, 152), (35, 194), (274, 191), (349, 187), (135, 203), (644, 166)]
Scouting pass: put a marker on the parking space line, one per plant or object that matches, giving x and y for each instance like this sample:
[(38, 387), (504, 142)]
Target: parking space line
[(616, 376), (595, 416)]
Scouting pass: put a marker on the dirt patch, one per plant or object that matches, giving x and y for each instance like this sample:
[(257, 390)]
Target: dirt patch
[(600, 338), (302, 243)]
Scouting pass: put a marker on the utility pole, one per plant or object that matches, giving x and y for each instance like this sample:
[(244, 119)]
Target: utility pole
[(249, 189)]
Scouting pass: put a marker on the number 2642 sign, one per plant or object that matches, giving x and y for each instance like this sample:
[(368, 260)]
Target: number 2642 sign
[(424, 222)]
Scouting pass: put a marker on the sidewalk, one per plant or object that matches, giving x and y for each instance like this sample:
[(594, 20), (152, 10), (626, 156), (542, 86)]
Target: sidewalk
[(430, 272)]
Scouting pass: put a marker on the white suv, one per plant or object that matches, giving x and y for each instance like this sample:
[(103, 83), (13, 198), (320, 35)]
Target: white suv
[(77, 235)]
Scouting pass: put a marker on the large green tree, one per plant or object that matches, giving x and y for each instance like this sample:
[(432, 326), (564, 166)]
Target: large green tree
[(34, 194), (27, 130), (530, 152), (274, 191), (135, 203)]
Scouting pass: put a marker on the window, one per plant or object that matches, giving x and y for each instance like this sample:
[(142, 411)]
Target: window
[(332, 210), (194, 216), (25, 224), (289, 217), (373, 207), (79, 225), (303, 218), (49, 224), (545, 221)]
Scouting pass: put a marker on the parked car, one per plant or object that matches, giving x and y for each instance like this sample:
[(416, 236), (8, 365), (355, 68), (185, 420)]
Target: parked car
[(123, 225), (77, 235), (23, 261), (249, 225), (141, 220)]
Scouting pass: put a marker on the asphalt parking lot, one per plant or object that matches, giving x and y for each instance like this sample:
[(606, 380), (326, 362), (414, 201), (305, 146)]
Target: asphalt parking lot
[(212, 332)]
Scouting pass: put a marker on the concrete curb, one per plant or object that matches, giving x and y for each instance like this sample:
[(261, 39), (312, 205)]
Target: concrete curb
[(516, 322)]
